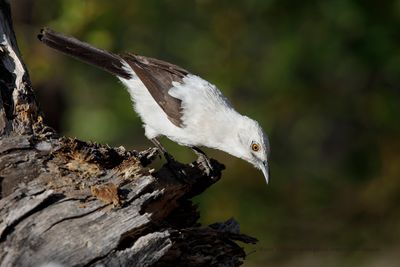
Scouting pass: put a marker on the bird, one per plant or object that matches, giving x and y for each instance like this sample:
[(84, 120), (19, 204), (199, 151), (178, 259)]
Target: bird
[(175, 103)]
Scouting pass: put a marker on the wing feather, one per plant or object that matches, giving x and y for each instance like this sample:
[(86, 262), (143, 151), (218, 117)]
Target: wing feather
[(158, 76)]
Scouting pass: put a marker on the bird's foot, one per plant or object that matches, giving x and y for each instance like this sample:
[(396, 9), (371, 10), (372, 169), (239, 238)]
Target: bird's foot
[(203, 161), (173, 166)]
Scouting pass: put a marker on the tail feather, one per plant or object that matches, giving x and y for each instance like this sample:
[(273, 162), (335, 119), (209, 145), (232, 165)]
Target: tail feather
[(84, 52)]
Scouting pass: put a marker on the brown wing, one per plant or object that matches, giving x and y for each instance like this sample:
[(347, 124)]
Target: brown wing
[(157, 76)]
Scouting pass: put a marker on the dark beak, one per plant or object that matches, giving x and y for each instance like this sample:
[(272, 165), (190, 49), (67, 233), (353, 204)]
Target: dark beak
[(265, 170)]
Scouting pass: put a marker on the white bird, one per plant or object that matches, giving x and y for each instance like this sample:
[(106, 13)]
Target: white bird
[(174, 103)]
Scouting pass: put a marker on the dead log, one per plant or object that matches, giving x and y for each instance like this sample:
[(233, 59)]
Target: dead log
[(79, 203)]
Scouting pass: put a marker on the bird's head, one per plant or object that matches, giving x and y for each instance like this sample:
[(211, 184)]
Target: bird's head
[(252, 145)]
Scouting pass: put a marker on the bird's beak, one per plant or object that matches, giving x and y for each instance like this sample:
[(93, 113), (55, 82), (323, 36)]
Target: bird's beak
[(265, 170)]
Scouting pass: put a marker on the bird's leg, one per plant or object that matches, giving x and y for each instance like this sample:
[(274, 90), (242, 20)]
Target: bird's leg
[(203, 160), (167, 156), (172, 164)]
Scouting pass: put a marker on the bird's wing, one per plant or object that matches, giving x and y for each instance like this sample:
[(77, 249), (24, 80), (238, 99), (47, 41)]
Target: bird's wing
[(155, 74), (158, 76)]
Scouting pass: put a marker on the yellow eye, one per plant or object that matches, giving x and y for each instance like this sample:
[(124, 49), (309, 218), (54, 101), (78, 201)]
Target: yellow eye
[(255, 147)]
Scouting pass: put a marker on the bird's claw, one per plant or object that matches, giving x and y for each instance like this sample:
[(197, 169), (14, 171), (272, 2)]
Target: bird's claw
[(203, 161), (175, 168)]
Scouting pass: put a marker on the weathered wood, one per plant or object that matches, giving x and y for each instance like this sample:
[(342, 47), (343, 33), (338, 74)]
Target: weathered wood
[(18, 108), (78, 203)]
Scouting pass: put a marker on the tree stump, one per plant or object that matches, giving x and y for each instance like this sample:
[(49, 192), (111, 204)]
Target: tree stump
[(79, 203)]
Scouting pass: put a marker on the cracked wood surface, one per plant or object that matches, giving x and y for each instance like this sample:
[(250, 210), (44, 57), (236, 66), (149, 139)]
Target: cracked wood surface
[(56, 215), (80, 203)]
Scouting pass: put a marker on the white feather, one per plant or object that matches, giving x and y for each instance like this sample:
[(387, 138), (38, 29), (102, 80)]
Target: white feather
[(208, 118)]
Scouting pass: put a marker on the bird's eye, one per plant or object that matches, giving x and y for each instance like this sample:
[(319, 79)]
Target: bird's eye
[(255, 147)]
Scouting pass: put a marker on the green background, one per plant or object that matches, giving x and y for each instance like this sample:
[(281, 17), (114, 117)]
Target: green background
[(321, 77)]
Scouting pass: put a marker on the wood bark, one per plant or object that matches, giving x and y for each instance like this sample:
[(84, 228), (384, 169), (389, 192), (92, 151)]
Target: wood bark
[(79, 203)]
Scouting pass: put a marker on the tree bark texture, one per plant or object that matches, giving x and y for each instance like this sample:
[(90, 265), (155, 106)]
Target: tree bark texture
[(79, 203)]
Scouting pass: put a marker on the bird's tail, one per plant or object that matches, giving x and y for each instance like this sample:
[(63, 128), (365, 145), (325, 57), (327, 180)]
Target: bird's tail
[(84, 52)]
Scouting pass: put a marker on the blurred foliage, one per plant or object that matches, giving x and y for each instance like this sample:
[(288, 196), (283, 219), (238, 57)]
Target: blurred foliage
[(322, 77)]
